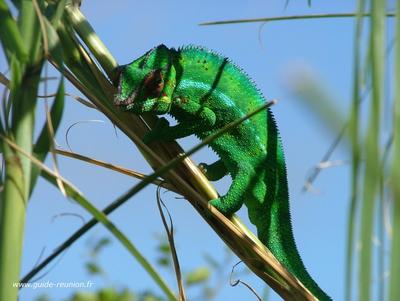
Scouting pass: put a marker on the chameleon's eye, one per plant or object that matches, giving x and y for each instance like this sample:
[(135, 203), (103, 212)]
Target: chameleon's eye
[(153, 84)]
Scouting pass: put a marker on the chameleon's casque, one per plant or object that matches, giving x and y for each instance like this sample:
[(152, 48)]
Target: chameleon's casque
[(204, 92)]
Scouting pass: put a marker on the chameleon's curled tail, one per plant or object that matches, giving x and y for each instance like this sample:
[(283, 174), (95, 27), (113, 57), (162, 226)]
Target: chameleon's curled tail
[(274, 228)]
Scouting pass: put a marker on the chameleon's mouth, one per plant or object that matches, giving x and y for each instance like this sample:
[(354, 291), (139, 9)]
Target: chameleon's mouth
[(123, 102)]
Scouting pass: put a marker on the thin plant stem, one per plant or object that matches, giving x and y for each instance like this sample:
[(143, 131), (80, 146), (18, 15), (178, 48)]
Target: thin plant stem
[(286, 18)]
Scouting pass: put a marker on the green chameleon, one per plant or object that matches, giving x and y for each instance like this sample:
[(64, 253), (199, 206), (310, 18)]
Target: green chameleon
[(204, 91)]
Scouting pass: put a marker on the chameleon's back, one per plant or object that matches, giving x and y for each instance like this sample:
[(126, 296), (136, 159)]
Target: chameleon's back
[(209, 69)]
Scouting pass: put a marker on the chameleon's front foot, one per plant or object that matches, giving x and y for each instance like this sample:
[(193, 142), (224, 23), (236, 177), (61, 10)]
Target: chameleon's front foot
[(156, 133)]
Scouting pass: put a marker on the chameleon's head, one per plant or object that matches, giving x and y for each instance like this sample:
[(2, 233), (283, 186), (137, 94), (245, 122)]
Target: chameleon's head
[(143, 80)]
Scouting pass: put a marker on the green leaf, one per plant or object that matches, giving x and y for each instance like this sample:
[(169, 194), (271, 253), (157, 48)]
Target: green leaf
[(100, 245), (197, 276), (42, 298), (149, 296), (107, 294), (126, 295), (55, 11), (10, 35), (15, 85), (372, 150), (43, 143), (84, 296), (164, 248), (30, 30), (3, 123), (354, 133), (295, 17), (373, 170), (93, 268), (164, 261), (55, 49), (394, 288), (91, 40), (307, 87)]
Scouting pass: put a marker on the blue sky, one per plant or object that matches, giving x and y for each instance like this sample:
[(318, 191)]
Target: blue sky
[(273, 56)]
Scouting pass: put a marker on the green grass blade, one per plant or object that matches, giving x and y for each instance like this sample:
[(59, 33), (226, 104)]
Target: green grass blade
[(10, 35), (30, 31), (51, 44), (44, 141), (25, 77), (394, 287), (313, 93), (17, 180), (54, 43), (356, 151), (372, 167), (5, 103), (12, 221), (42, 144), (74, 60), (55, 11), (96, 46), (286, 18), (3, 120)]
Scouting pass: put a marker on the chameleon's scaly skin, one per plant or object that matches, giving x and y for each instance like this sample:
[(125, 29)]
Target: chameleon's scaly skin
[(204, 92)]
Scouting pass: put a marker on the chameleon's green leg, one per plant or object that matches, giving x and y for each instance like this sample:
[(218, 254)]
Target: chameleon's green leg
[(214, 171), (234, 198), (160, 105)]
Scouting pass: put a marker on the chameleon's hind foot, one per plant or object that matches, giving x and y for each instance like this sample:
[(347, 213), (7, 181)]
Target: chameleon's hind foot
[(214, 171), (222, 207)]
